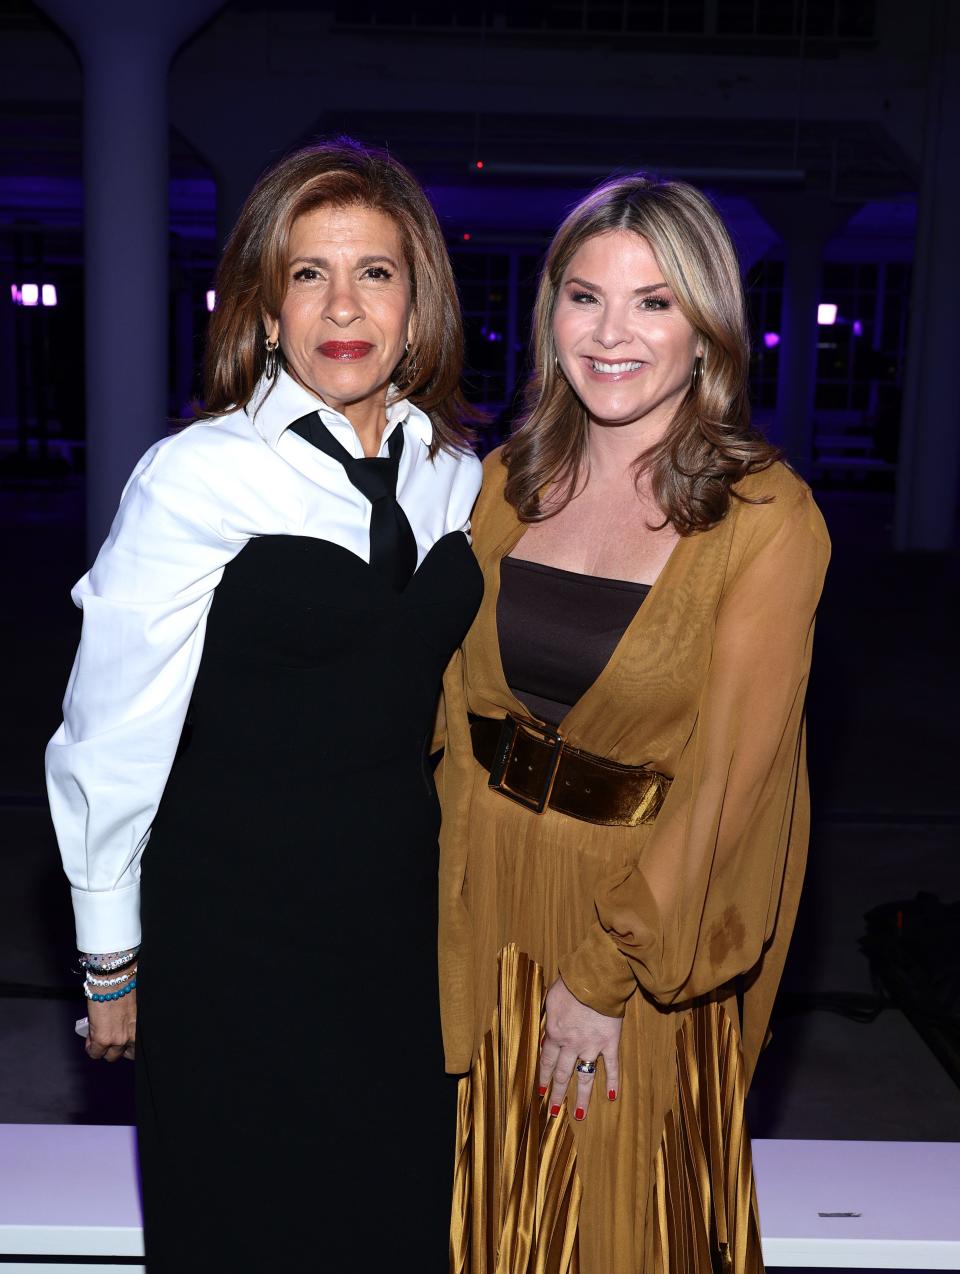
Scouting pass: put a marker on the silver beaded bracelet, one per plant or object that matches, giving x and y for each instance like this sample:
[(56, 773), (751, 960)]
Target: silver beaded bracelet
[(90, 980), (108, 962)]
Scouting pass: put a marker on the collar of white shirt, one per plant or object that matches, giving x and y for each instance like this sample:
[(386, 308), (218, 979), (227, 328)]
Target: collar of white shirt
[(273, 410)]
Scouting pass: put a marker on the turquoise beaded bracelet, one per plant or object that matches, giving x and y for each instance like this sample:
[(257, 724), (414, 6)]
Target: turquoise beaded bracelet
[(113, 995)]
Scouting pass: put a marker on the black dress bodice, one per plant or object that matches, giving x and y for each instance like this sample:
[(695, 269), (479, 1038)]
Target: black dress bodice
[(312, 661), (309, 722)]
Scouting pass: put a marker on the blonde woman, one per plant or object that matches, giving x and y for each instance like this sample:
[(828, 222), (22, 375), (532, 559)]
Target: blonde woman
[(624, 791)]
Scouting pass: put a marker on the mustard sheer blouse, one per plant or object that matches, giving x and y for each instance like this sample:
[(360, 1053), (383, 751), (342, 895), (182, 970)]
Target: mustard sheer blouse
[(707, 686)]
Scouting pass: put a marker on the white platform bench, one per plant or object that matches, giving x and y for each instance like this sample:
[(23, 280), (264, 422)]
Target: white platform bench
[(69, 1193), (879, 1205)]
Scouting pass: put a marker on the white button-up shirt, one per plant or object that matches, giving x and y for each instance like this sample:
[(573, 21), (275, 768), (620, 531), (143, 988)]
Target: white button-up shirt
[(192, 503)]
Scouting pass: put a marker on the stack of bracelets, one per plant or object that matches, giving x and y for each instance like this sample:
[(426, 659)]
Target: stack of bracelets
[(118, 975)]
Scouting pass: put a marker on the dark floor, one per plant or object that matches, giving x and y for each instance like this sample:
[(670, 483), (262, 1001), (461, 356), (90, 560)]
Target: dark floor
[(883, 751)]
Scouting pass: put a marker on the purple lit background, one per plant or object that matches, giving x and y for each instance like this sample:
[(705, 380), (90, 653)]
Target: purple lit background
[(826, 131), (497, 227)]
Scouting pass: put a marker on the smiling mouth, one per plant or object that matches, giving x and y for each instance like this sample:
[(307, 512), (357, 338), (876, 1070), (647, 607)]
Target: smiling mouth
[(345, 351), (614, 369)]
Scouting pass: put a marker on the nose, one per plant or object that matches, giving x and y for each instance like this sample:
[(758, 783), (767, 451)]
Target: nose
[(612, 328), (343, 303)]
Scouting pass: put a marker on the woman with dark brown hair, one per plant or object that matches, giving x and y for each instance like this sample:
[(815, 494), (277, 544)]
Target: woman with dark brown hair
[(623, 786), (264, 635)]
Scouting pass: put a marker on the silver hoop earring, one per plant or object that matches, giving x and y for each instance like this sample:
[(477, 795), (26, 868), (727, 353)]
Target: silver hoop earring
[(409, 368), (697, 375), (271, 367)]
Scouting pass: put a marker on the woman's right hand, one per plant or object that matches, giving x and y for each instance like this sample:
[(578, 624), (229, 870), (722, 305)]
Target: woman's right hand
[(113, 1028)]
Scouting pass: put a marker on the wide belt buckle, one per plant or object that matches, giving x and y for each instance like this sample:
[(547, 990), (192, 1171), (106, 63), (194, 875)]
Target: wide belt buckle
[(508, 769)]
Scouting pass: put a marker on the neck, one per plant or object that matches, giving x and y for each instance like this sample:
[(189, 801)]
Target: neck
[(369, 420), (368, 417), (612, 449)]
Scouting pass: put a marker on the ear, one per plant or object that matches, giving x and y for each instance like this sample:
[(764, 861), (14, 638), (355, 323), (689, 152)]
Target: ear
[(701, 348), (411, 325), (272, 327)]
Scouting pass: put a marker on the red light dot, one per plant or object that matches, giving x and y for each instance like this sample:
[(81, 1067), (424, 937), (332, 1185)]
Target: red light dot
[(479, 163), (466, 236)]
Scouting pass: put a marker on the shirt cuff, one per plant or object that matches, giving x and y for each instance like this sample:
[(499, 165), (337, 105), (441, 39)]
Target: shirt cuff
[(108, 919), (599, 974)]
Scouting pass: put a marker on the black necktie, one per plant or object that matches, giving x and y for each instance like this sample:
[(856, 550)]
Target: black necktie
[(393, 549)]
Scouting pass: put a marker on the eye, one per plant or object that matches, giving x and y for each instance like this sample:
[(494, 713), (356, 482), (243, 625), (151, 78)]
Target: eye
[(377, 272), (657, 302), (306, 274), (582, 298)]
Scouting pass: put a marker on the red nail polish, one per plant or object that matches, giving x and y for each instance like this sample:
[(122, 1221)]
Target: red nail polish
[(554, 1110), (579, 1113), (542, 1090), (612, 1094)]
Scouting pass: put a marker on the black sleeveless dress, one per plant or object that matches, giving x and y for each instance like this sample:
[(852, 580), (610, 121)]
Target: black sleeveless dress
[(292, 1107)]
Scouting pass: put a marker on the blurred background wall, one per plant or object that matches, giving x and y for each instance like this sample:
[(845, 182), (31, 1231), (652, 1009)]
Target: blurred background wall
[(827, 131)]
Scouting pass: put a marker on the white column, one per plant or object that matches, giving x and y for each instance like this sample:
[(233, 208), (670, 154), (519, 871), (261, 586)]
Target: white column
[(125, 50), (804, 220), (797, 368)]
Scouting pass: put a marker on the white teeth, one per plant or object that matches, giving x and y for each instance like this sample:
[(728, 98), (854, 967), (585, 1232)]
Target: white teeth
[(612, 368)]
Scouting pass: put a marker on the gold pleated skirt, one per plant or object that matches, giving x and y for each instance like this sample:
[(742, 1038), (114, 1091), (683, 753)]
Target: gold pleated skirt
[(657, 1182)]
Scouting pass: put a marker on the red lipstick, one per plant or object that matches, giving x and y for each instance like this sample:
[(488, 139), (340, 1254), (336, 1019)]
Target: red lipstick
[(345, 351)]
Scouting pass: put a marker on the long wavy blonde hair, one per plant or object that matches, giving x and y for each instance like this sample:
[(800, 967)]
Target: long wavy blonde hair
[(710, 444)]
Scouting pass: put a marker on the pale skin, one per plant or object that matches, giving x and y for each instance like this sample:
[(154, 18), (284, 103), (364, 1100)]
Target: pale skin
[(348, 287), (613, 308)]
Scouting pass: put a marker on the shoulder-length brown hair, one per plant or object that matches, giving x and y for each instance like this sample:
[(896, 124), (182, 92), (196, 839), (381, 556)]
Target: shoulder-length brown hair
[(710, 444), (251, 280)]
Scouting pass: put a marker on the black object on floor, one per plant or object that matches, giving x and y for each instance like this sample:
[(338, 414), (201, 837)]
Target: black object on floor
[(914, 953)]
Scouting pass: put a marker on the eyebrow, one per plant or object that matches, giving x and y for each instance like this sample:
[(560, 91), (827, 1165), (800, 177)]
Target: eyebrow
[(595, 287), (323, 264)]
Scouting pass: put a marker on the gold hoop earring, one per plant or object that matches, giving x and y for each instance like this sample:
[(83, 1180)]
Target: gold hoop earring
[(271, 367), (697, 375)]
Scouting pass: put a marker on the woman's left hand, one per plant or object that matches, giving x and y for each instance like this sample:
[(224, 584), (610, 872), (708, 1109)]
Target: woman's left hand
[(575, 1032)]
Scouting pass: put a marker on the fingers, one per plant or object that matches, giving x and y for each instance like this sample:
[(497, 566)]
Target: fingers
[(562, 1072), (111, 1032), (108, 1052), (556, 1067), (611, 1067), (94, 1050), (549, 1052), (584, 1089)]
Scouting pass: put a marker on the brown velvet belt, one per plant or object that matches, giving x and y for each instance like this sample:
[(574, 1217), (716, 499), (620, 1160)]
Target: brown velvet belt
[(533, 765)]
